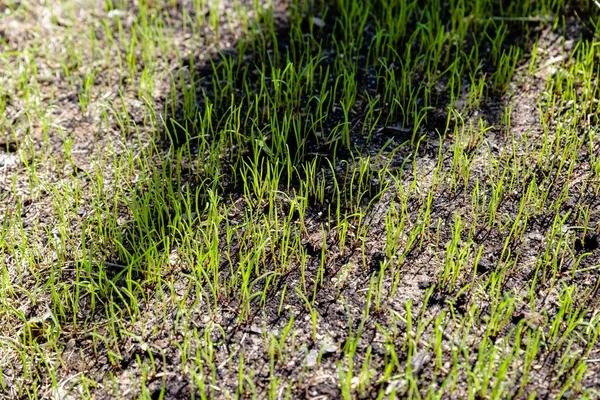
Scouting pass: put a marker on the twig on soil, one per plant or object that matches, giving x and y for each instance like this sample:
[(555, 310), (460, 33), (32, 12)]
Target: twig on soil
[(541, 18)]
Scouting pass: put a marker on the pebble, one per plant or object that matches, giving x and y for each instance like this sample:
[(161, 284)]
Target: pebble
[(330, 348), (311, 358)]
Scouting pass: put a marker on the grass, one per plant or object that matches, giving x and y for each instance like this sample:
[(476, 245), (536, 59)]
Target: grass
[(299, 199)]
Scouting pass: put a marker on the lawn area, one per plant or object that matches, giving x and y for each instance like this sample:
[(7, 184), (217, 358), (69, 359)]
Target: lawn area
[(299, 199)]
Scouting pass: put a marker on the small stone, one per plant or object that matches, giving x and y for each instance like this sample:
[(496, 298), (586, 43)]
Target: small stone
[(418, 361), (8, 160), (330, 348), (538, 237), (311, 358), (395, 386), (255, 329)]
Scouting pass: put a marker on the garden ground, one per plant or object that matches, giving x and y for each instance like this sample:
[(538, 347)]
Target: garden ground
[(299, 199)]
